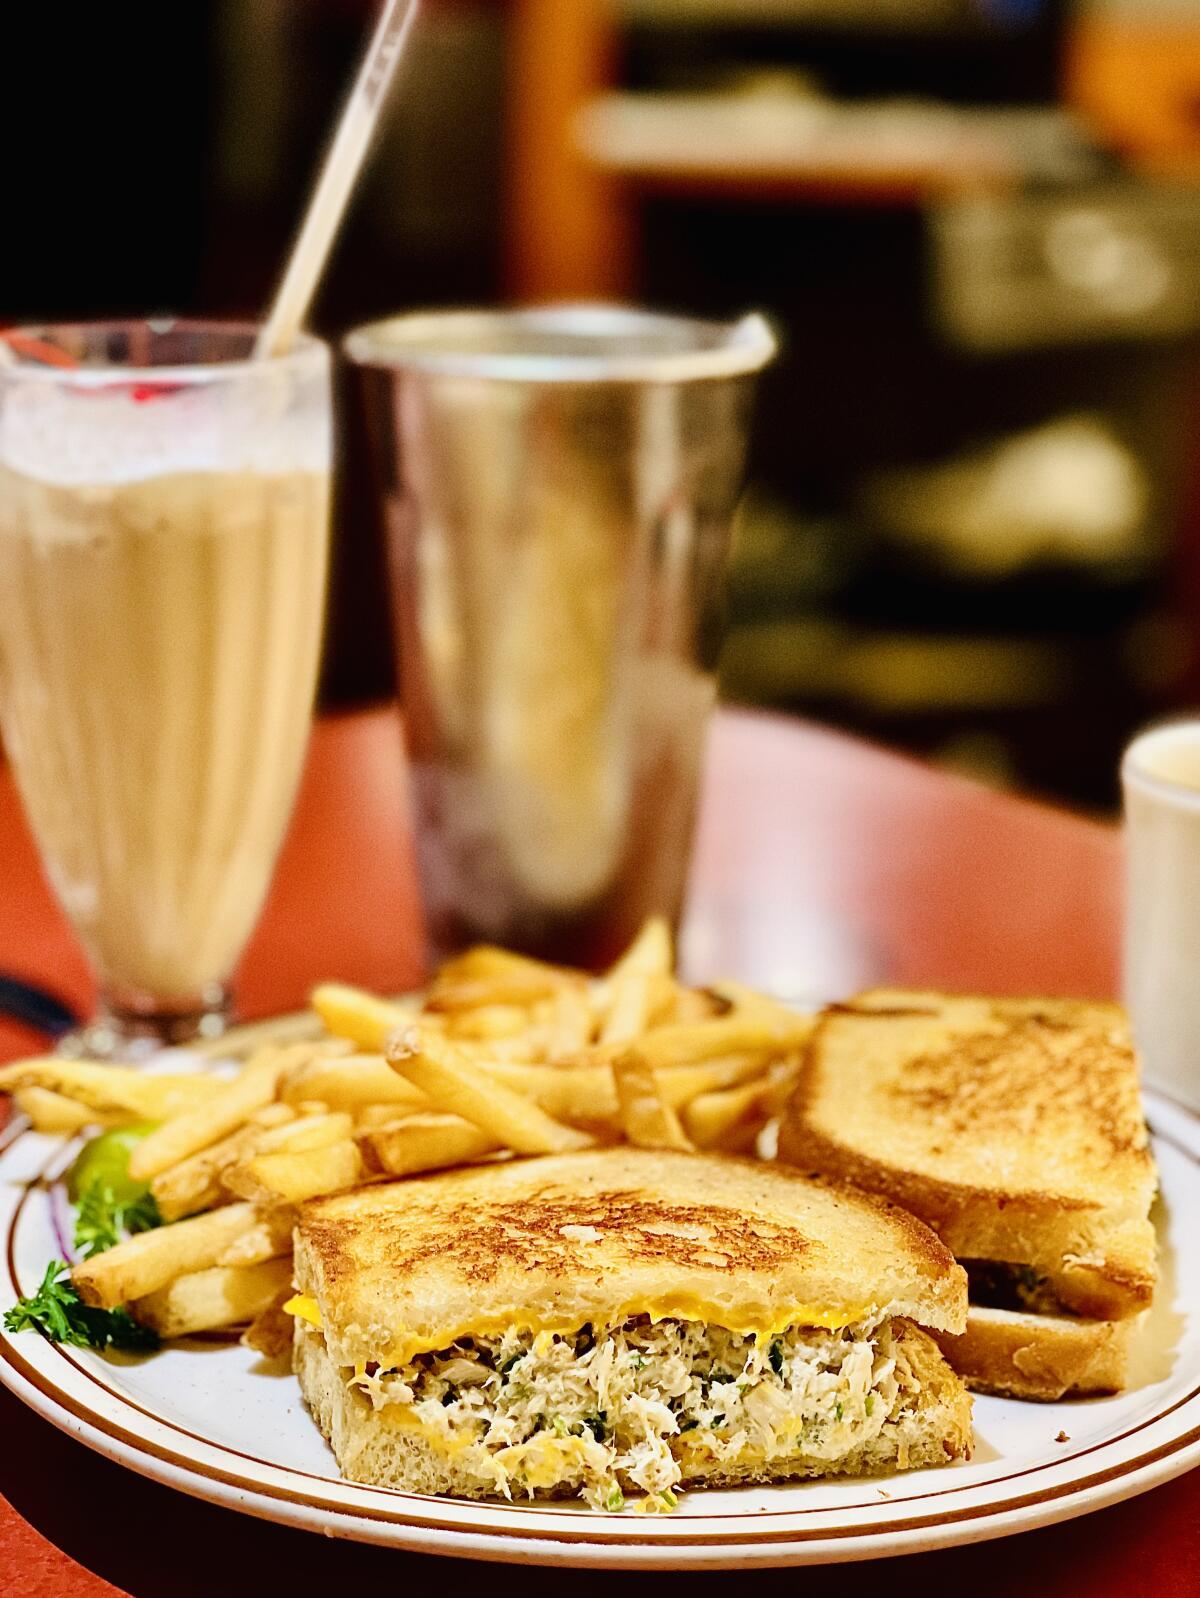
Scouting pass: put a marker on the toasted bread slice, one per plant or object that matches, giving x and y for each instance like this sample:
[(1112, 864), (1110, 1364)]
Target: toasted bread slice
[(624, 1320), (1046, 1357), (554, 1243), (1012, 1127), (930, 1424)]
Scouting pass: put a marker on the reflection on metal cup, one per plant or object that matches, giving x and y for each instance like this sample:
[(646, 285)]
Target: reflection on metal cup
[(559, 488)]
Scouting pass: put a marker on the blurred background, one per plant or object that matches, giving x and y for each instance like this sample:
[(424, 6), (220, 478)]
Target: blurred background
[(973, 522)]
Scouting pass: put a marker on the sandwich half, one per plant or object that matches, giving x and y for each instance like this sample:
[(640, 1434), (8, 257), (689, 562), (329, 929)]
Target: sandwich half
[(1013, 1128), (622, 1322)]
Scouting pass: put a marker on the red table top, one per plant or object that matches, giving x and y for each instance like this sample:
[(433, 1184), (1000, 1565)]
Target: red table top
[(822, 865)]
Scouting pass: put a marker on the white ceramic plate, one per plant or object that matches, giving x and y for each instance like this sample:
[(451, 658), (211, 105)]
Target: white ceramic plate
[(210, 1418)]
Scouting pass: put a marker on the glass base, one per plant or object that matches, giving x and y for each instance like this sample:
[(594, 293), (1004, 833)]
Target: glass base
[(131, 1028)]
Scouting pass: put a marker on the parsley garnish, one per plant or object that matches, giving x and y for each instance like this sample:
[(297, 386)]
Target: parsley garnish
[(105, 1214), (57, 1311), (103, 1219)]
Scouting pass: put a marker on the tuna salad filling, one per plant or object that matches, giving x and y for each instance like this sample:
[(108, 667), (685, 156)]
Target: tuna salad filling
[(640, 1406)]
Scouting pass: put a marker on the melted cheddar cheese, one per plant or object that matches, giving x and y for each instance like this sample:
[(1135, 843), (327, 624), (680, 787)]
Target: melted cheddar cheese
[(763, 1324), (305, 1308)]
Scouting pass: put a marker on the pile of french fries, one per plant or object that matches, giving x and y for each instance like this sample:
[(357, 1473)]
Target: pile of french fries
[(501, 1055)]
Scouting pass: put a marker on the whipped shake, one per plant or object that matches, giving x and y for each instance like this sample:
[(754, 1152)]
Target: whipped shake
[(163, 554)]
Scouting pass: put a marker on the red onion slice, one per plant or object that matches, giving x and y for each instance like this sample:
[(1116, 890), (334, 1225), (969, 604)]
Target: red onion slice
[(63, 1223)]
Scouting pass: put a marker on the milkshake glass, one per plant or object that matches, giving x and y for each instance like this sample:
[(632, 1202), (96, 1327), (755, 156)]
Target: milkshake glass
[(163, 547)]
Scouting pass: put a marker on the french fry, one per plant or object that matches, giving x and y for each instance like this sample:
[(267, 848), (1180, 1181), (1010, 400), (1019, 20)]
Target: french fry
[(55, 1114), (269, 1237), (732, 1034), (359, 1016), (709, 1040), (527, 1049), (457, 1085), (585, 1095), (369, 1117), (203, 1301), (272, 1116), (194, 1184), (191, 1192), (582, 1096), (489, 992), (223, 1113), (486, 960), (307, 1132), (696, 1004), (650, 952), (746, 1001), (270, 1332), (648, 1120), (729, 1119), (489, 1021), (664, 1002), (636, 1002), (681, 1083), (347, 1083), (426, 1142), (198, 1183), (570, 1023), (142, 1264), (290, 1178), (111, 1088), (629, 1007)]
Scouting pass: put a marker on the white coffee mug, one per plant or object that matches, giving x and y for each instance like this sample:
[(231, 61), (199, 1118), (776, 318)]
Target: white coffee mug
[(1160, 775)]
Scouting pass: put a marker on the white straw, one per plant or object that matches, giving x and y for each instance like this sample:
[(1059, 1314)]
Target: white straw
[(337, 179)]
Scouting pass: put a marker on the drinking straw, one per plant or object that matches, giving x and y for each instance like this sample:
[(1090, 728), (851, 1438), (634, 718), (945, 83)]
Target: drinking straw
[(338, 175)]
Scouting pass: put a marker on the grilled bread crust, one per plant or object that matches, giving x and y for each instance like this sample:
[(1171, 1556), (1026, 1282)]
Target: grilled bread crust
[(1012, 1127), (1045, 1357), (933, 1431), (569, 1239)]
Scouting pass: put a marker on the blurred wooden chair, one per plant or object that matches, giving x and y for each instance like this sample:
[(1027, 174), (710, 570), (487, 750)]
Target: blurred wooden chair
[(571, 224), (1136, 80), (568, 225)]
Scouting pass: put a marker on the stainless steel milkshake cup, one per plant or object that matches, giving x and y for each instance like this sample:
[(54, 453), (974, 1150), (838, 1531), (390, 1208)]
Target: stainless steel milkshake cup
[(559, 485)]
